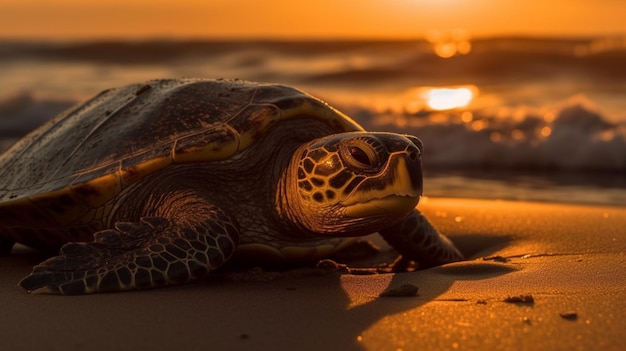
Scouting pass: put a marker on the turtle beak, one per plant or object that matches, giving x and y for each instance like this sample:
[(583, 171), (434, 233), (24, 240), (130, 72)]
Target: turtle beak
[(417, 158), (406, 164), (396, 191), (408, 176)]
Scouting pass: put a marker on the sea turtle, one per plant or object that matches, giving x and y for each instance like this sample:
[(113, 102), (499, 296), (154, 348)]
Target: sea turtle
[(162, 182)]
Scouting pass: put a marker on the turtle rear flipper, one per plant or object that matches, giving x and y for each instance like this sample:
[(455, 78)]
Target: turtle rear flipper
[(151, 253)]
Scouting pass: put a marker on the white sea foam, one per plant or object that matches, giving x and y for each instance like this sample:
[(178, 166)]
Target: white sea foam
[(572, 137)]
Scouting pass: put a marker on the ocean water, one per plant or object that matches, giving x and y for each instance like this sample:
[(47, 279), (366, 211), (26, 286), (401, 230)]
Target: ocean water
[(541, 119)]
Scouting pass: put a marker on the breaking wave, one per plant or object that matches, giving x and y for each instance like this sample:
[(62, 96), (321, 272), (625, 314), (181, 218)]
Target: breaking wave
[(524, 118), (572, 136)]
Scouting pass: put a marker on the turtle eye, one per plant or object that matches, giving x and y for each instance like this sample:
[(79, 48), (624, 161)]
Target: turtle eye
[(360, 155)]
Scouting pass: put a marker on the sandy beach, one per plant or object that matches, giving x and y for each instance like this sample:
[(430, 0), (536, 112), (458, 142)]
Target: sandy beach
[(539, 276)]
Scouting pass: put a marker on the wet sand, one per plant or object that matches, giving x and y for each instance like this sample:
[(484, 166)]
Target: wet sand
[(538, 276)]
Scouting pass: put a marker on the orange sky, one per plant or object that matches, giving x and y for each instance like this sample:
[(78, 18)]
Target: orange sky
[(70, 19)]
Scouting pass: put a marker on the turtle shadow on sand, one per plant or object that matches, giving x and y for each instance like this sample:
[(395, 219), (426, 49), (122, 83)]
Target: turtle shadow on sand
[(302, 308), (355, 317), (338, 309)]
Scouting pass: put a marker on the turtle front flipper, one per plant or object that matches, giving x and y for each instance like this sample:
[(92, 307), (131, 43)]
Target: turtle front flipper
[(418, 240), (151, 253)]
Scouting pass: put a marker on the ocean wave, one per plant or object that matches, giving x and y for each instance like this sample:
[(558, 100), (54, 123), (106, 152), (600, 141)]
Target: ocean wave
[(513, 124), (22, 112), (572, 136), (313, 62)]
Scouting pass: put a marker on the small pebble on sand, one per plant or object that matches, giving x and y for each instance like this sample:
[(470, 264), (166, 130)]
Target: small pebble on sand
[(569, 315), (527, 299)]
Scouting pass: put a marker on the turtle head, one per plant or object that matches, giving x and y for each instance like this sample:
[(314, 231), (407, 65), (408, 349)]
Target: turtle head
[(355, 183)]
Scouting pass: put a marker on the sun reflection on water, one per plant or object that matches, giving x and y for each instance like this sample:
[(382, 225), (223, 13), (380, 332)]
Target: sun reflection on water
[(418, 104), (449, 98)]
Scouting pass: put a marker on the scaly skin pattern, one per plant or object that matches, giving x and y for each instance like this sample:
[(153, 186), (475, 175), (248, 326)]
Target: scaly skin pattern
[(151, 253), (354, 183)]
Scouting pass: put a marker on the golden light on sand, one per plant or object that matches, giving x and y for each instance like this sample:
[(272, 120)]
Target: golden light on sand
[(449, 98)]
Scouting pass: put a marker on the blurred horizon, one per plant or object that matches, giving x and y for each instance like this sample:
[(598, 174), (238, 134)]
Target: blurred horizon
[(431, 37)]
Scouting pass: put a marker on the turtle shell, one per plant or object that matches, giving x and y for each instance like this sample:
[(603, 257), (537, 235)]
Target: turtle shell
[(70, 168)]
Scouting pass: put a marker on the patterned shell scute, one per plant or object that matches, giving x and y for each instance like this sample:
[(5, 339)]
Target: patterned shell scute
[(123, 134)]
